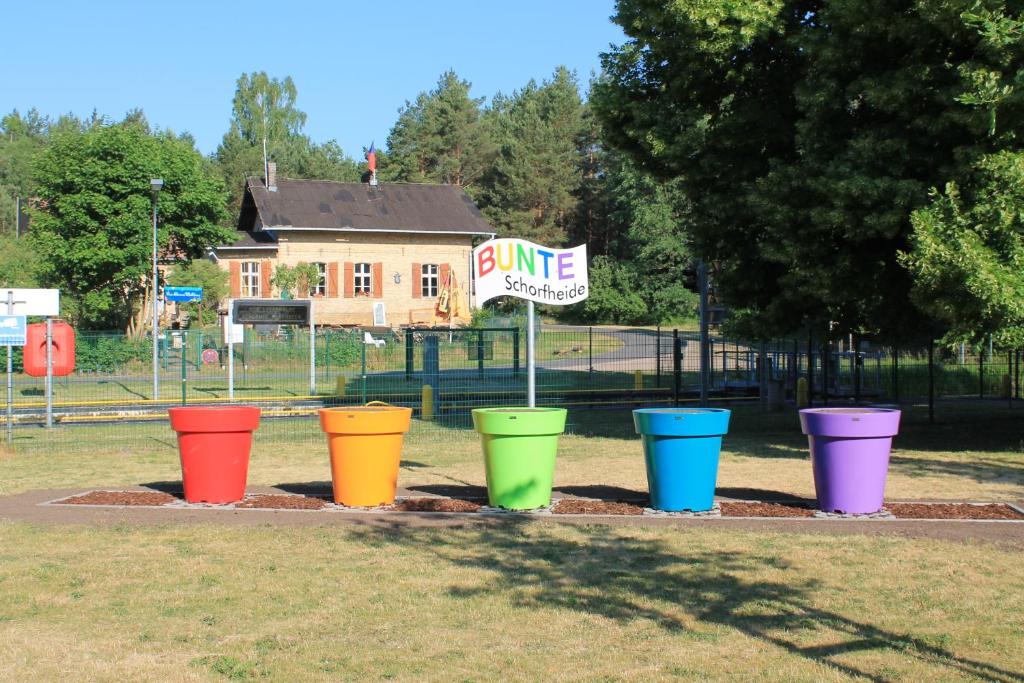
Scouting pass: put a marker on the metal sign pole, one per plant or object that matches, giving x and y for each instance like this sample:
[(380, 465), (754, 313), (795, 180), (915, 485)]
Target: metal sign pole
[(49, 372), (10, 381), (531, 367), (231, 358)]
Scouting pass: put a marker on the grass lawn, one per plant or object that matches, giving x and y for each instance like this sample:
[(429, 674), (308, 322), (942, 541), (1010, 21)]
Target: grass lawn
[(510, 602), (513, 600)]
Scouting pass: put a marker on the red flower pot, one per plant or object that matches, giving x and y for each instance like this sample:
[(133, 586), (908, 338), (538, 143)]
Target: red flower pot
[(214, 443)]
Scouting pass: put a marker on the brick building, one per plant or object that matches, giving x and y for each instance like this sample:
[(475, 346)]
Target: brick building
[(383, 253)]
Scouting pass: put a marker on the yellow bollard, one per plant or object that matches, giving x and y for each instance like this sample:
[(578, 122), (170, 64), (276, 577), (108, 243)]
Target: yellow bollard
[(638, 380), (341, 386), (427, 406), (801, 393)]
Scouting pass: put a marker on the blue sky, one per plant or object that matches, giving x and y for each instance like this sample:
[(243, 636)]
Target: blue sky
[(354, 63)]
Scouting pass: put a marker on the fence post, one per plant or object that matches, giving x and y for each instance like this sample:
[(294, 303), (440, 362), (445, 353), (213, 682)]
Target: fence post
[(810, 367), (657, 358), (981, 372), (896, 373), (480, 352), (362, 348), (590, 347), (856, 368), (677, 367), (931, 381), (1009, 378), (408, 354), (432, 371), (184, 366), (1017, 374), (826, 361), (515, 351)]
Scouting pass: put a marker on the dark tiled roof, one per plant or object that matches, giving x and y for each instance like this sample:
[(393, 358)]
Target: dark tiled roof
[(324, 204), (250, 240)]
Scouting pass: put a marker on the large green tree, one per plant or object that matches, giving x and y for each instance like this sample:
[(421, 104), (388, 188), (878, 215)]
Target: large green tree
[(806, 133), (265, 108), (441, 137), (93, 228), (532, 189)]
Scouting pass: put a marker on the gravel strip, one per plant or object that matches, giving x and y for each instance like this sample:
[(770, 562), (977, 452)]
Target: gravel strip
[(715, 511)]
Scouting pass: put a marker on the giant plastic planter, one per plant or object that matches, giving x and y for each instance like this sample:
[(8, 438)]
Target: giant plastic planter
[(681, 447), (850, 455), (214, 443), (520, 445), (365, 444)]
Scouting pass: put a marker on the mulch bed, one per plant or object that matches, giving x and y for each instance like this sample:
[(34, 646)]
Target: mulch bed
[(739, 509), (148, 498), (267, 501), (565, 506), (577, 506), (952, 511), (435, 505)]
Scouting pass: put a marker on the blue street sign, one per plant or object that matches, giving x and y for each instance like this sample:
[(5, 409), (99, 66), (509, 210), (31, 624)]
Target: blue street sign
[(12, 330), (183, 293)]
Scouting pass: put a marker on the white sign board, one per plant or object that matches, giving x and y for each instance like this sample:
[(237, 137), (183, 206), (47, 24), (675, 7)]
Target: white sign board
[(233, 334), (45, 302), (515, 267)]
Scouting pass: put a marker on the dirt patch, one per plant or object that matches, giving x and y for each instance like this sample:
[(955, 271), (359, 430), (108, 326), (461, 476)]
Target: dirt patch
[(148, 498), (268, 501), (435, 505), (952, 511), (734, 509), (571, 506)]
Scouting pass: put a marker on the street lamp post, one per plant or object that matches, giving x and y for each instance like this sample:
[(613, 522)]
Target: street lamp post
[(156, 184)]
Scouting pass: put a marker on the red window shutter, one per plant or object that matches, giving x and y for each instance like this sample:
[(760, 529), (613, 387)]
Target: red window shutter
[(445, 269), (265, 267), (236, 279), (377, 283), (332, 279), (417, 273), (349, 282)]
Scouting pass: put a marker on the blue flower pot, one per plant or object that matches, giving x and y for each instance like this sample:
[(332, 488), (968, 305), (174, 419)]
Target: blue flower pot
[(681, 447)]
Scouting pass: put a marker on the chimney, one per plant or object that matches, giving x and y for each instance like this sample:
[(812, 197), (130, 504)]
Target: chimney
[(272, 176)]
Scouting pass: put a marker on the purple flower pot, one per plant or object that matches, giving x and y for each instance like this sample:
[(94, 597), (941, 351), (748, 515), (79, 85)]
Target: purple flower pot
[(850, 455)]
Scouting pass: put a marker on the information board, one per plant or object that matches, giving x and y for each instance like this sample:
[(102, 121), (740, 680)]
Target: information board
[(183, 293), (12, 330), (270, 312)]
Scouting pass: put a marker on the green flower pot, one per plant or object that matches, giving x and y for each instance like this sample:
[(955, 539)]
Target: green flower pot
[(520, 445)]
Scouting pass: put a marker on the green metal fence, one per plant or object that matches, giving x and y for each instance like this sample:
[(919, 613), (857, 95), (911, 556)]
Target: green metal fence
[(581, 368)]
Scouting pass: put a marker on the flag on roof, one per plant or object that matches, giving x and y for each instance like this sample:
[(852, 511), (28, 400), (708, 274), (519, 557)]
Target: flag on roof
[(371, 158)]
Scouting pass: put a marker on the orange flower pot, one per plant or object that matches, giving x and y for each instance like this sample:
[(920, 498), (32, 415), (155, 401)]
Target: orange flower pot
[(365, 444)]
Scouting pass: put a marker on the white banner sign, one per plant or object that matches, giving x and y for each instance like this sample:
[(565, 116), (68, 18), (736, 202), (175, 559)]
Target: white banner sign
[(31, 301), (515, 267)]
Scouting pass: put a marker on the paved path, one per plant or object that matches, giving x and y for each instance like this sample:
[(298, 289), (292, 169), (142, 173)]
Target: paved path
[(30, 507)]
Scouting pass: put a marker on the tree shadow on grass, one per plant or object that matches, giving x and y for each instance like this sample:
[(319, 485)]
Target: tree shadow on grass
[(614, 575)]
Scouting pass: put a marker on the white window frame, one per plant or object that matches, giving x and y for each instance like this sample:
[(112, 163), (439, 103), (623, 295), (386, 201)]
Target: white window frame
[(430, 280), (362, 279), (319, 287), (250, 271)]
